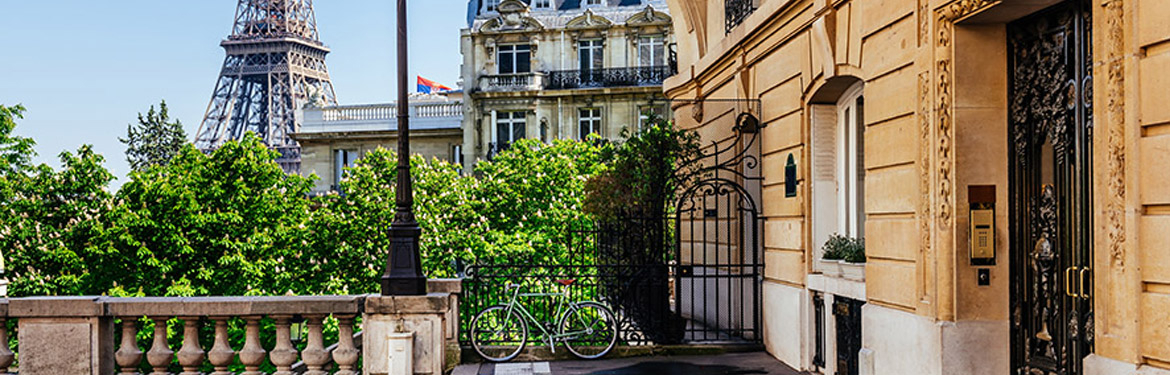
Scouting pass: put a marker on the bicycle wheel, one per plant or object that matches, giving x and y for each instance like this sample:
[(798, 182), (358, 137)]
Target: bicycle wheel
[(497, 334), (592, 330)]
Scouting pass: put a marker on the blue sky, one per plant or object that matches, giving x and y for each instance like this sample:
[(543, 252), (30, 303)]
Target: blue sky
[(84, 68)]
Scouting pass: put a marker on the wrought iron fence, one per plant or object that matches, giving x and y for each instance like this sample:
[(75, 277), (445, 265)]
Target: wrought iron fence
[(737, 11), (638, 290), (610, 77)]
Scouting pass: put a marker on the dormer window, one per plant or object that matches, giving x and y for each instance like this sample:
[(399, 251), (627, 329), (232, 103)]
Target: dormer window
[(491, 5), (542, 4), (592, 2)]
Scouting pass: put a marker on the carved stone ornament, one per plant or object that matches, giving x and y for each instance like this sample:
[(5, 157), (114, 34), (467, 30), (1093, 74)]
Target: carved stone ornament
[(588, 20), (944, 150), (697, 111), (648, 17), (513, 18)]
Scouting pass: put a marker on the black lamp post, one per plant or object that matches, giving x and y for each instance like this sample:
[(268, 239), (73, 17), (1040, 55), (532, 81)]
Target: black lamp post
[(403, 276)]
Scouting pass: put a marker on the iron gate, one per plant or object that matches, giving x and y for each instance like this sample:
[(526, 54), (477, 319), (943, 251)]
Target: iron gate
[(718, 256), (689, 275)]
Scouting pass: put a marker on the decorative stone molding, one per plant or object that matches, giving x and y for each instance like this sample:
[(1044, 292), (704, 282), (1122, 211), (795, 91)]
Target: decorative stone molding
[(924, 169), (648, 17), (513, 18), (1114, 131), (947, 15), (588, 20)]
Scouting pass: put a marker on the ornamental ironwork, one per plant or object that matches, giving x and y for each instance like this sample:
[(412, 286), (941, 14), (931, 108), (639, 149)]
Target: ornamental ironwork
[(1050, 130), (686, 267), (609, 77), (737, 11)]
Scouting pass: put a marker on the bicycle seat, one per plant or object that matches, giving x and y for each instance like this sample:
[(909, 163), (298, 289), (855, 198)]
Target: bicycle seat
[(566, 282)]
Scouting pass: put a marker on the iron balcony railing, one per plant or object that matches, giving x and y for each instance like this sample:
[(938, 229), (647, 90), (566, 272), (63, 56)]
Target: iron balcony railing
[(610, 77), (737, 11)]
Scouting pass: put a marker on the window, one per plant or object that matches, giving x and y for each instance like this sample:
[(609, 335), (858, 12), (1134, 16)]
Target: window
[(651, 51), (509, 128), (591, 54), (645, 111), (589, 121), (838, 168), (491, 5), (342, 159), (592, 2), (515, 59), (457, 156), (851, 166), (542, 3)]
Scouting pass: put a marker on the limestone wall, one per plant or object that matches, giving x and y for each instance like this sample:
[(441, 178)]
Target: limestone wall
[(934, 81)]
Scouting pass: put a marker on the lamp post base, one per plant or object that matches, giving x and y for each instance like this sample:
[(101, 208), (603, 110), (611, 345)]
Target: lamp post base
[(404, 275)]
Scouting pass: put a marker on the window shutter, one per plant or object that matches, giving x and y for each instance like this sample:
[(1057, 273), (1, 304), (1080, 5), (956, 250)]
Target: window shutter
[(824, 174)]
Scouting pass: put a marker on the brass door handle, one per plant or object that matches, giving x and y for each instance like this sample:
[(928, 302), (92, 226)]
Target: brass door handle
[(1068, 281), (1081, 276)]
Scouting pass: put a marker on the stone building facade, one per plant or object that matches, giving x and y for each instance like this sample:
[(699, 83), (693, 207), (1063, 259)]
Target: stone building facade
[(561, 69), (333, 138), (1002, 160)]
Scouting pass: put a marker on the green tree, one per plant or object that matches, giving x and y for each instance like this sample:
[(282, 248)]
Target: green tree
[(228, 223), (154, 140), (16, 152), (56, 224), (532, 194)]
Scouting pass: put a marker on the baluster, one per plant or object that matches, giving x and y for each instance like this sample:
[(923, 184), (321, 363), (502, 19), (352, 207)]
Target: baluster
[(160, 354), (6, 356), (252, 354), (128, 355), (221, 354), (283, 355), (315, 355), (191, 355), (346, 355)]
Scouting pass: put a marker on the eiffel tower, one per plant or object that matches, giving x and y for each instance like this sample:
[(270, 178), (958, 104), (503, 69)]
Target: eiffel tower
[(275, 64)]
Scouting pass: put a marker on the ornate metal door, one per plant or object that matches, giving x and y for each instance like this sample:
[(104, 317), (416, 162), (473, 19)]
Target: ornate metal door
[(1050, 69)]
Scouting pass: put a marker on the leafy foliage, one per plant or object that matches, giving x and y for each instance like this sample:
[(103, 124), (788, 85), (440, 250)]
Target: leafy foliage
[(233, 223), (154, 140), (850, 249), (645, 172), (228, 223), (16, 152)]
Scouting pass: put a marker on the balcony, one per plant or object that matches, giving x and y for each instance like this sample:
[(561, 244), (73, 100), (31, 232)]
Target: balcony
[(512, 82), (429, 114), (737, 11), (612, 77)]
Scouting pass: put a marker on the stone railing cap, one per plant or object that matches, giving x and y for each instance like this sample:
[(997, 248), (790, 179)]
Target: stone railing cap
[(233, 306), (85, 306), (452, 286), (433, 303)]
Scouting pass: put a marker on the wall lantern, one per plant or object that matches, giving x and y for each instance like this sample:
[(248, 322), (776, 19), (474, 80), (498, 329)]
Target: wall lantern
[(790, 177)]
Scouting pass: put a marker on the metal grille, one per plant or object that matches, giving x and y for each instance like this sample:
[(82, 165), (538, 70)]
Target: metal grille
[(691, 274), (611, 77), (737, 11)]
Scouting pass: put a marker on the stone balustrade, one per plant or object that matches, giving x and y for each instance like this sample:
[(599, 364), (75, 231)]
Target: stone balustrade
[(76, 335), (195, 312)]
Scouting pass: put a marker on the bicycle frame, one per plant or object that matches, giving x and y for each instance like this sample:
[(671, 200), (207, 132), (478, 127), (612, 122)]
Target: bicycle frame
[(514, 304)]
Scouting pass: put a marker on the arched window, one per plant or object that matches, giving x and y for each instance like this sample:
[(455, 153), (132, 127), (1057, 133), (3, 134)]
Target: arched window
[(838, 170)]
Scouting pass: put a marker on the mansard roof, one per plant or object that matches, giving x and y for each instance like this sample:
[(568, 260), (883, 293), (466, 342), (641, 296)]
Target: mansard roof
[(563, 12)]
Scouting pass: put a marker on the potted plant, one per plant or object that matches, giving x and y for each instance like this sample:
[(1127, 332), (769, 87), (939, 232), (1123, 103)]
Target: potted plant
[(844, 257)]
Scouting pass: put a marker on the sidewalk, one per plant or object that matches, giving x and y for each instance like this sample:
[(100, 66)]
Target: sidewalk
[(757, 363)]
